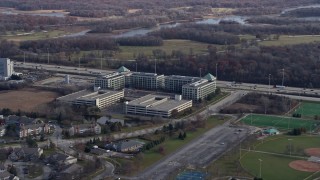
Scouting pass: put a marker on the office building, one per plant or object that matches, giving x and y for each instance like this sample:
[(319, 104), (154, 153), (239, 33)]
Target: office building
[(174, 83), (6, 68), (142, 80), (100, 99), (199, 89), (157, 105), (114, 81)]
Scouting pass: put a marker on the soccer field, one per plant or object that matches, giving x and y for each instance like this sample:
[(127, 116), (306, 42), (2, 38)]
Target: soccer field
[(308, 109), (280, 122)]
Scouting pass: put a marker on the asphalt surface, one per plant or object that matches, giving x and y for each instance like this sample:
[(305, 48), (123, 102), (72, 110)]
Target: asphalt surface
[(198, 153)]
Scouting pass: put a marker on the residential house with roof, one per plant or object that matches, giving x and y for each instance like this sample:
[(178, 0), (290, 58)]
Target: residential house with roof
[(26, 154), (5, 175), (60, 160), (85, 129), (33, 129), (125, 146), (71, 172)]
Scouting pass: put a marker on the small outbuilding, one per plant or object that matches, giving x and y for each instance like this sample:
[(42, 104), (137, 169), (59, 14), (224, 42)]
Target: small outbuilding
[(271, 131)]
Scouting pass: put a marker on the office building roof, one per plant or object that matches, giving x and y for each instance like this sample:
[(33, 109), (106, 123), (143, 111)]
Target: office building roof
[(88, 95), (123, 69), (209, 77), (182, 77), (157, 102), (199, 83)]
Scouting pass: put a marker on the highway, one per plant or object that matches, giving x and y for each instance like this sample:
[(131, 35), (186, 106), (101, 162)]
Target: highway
[(223, 84)]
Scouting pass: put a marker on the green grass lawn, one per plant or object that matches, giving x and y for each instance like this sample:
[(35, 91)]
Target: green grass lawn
[(280, 122), (308, 109), (290, 40), (276, 167), (278, 144), (35, 36), (129, 52)]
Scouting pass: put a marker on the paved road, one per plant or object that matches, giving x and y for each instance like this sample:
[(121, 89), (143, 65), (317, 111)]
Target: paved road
[(267, 88)]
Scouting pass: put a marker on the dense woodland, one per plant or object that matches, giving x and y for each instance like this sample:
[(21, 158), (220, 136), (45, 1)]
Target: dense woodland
[(29, 22)]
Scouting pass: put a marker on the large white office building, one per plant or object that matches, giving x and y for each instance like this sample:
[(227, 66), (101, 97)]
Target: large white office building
[(100, 99), (174, 83), (6, 68), (199, 89), (115, 81), (157, 105), (142, 80)]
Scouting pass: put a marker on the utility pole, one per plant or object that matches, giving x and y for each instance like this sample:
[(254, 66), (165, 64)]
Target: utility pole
[(269, 83), (48, 54), (216, 71), (24, 57), (136, 67), (101, 62), (155, 66), (282, 76)]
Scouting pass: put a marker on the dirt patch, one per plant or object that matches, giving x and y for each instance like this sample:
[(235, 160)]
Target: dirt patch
[(28, 99), (306, 166), (313, 152)]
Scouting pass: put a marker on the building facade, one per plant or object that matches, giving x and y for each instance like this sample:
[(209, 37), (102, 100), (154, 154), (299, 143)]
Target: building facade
[(174, 83), (83, 129), (142, 80), (156, 105), (100, 99), (114, 81), (33, 130), (198, 90), (6, 68)]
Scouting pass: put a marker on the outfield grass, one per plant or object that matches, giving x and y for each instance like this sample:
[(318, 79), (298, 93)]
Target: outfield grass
[(280, 122), (308, 109), (278, 144), (276, 167)]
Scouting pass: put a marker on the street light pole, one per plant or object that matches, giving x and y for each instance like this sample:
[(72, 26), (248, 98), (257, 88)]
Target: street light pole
[(216, 71), (48, 54), (260, 160), (269, 83), (282, 76), (290, 145)]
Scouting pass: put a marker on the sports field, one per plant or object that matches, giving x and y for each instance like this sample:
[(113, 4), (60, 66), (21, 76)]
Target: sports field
[(280, 122), (276, 167), (308, 109)]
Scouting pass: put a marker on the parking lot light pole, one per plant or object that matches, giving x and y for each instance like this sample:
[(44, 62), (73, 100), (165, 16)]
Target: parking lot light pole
[(260, 160)]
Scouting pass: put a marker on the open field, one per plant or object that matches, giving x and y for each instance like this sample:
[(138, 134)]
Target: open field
[(27, 99), (308, 109), (276, 166), (280, 122), (291, 40), (128, 52)]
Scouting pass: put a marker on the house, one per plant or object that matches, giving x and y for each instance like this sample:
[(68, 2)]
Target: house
[(5, 175), (61, 160), (125, 146), (26, 154), (71, 172), (33, 129), (105, 120), (271, 131), (84, 129), (2, 130)]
